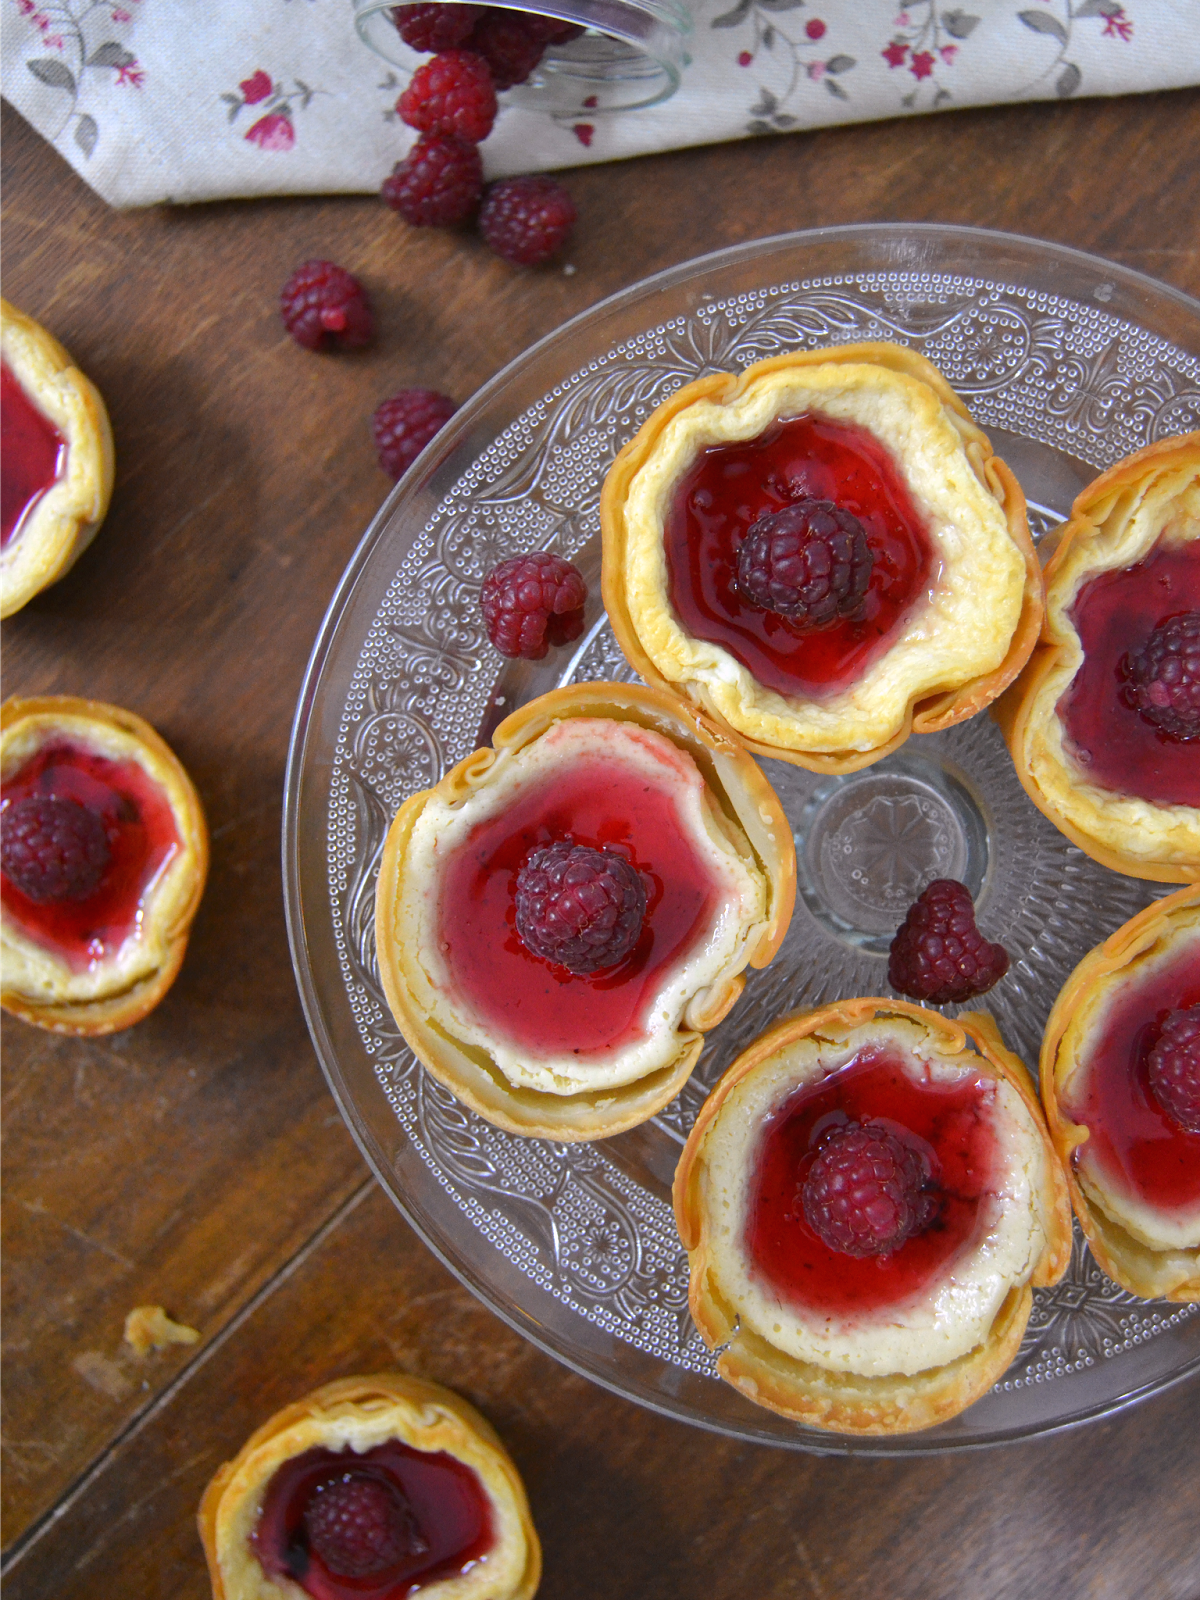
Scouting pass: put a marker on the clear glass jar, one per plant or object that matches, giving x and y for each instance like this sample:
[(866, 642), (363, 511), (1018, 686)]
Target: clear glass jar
[(631, 56)]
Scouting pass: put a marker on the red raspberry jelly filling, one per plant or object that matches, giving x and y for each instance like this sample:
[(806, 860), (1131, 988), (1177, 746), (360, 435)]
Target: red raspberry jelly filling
[(1134, 1144), (142, 840), (34, 455), (731, 486), (946, 1130), (1116, 746), (528, 999), (376, 1526)]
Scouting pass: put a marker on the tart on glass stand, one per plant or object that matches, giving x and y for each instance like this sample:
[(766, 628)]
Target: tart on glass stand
[(1104, 723), (1120, 1077), (380, 1488), (867, 1199), (823, 553), (562, 919), (103, 860), (58, 460)]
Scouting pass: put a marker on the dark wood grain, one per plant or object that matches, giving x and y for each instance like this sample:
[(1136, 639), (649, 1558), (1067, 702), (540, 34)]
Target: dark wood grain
[(193, 1160)]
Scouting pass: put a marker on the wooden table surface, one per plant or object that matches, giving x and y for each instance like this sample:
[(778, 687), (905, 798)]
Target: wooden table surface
[(197, 1160)]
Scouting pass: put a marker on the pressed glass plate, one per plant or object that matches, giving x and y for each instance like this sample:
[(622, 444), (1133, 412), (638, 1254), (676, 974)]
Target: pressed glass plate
[(1070, 363)]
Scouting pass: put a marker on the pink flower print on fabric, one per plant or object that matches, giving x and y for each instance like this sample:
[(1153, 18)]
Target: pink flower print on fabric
[(256, 87), (272, 132)]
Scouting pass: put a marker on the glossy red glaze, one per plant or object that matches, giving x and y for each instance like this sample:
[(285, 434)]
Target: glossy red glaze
[(1114, 744), (949, 1123), (449, 1505), (34, 455), (141, 835), (530, 1002), (1134, 1145), (731, 485)]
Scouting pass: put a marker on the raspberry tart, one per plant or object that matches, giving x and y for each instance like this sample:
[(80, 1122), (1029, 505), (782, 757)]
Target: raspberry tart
[(1104, 723), (58, 460), (867, 1199), (379, 1488), (823, 553), (1121, 1085), (103, 858), (562, 919)]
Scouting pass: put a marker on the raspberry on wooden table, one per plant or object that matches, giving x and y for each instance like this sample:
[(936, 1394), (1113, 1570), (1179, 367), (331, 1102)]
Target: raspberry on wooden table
[(863, 1194), (511, 42), (404, 424), (453, 95), (438, 184), (581, 908), (531, 602), (1162, 678), (938, 954), (360, 1526), (322, 304), (53, 849), (1174, 1066), (808, 562), (527, 220), (435, 27)]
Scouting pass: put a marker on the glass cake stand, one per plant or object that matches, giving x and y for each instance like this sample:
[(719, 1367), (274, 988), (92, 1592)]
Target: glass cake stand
[(1070, 363)]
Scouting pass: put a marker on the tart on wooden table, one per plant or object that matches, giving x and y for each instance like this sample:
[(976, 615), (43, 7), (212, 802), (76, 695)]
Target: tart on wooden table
[(1121, 1087), (1104, 723), (867, 1200), (380, 1488), (823, 553), (103, 858), (58, 460), (566, 914)]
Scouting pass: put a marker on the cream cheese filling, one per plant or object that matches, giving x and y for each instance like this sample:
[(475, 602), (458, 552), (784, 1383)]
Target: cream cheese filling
[(443, 827), (954, 1314)]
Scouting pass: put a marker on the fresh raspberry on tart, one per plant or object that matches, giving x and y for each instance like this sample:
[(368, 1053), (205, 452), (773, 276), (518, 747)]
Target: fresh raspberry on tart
[(1173, 1067), (735, 572), (58, 460), (562, 919), (867, 1199), (387, 1487), (103, 857)]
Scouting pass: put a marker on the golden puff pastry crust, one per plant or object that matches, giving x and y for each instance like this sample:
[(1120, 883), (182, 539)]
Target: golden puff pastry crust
[(828, 1396), (36, 984), (1154, 1274), (958, 649), (65, 520), (742, 815), (358, 1414), (1115, 523)]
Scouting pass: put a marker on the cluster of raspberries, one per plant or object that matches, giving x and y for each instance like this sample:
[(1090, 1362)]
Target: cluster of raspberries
[(451, 102)]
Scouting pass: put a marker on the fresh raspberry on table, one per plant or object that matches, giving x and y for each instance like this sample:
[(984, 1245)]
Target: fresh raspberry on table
[(863, 1195), (527, 220), (581, 908), (511, 42), (532, 602), (809, 562), (53, 849), (404, 424), (1174, 1065), (430, 28), (438, 184), (360, 1526), (322, 304), (1162, 678), (939, 954), (453, 95)]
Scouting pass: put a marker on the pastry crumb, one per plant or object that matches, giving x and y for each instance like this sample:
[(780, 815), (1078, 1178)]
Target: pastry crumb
[(150, 1328)]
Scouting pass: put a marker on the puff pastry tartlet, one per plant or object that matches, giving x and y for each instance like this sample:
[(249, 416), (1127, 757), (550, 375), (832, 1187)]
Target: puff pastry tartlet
[(380, 1488), (896, 1310), (104, 858), (1120, 1076), (599, 807), (1115, 772), (940, 593), (58, 460)]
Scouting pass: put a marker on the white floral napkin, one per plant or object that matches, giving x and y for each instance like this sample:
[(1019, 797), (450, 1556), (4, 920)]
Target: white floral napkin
[(155, 100)]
